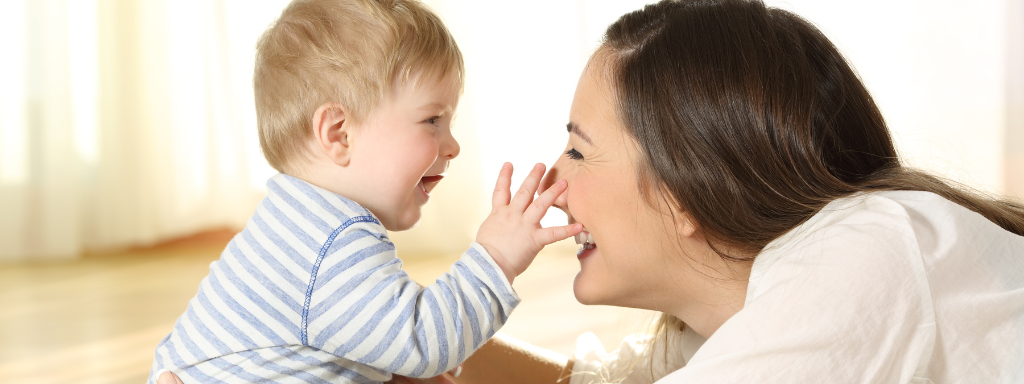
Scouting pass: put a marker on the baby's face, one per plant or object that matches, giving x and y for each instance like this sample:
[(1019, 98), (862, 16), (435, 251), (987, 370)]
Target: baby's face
[(404, 148)]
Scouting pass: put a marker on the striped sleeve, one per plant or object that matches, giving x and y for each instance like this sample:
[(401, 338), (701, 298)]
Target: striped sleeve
[(364, 307)]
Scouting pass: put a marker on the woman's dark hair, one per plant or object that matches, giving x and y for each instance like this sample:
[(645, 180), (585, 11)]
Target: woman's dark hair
[(750, 121)]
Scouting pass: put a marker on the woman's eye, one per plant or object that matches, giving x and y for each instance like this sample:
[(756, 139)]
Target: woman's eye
[(572, 153), (432, 120)]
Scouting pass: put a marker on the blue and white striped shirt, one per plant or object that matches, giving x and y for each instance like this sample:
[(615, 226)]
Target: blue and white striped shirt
[(312, 291)]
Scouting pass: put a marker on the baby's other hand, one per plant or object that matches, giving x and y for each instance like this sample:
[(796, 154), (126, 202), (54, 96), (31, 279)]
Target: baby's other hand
[(395, 379), (512, 233), (168, 377), (444, 378)]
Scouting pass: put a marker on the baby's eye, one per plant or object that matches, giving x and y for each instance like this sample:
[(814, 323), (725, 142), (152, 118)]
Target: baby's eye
[(572, 153), (432, 120)]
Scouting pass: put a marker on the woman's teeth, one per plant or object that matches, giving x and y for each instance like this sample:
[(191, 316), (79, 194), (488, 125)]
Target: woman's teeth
[(586, 239)]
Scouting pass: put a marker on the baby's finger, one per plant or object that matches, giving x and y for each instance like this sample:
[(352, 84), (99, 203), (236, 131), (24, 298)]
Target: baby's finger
[(501, 188), (525, 194), (455, 372), (540, 206), (550, 235)]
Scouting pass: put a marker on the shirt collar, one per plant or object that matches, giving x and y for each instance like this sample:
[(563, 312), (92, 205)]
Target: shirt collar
[(302, 195)]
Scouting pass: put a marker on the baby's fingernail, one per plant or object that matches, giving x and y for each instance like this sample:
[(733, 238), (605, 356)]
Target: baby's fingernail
[(562, 183), (506, 165)]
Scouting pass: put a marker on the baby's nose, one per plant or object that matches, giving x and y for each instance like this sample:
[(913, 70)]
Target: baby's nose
[(449, 148)]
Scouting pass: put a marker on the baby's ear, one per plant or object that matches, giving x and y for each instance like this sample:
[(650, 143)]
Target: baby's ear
[(331, 130)]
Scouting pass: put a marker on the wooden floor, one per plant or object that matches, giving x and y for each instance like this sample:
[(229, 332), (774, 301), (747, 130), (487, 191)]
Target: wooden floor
[(97, 320)]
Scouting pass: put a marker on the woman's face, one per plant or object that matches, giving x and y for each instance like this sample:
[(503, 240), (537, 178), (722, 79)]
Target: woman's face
[(626, 266)]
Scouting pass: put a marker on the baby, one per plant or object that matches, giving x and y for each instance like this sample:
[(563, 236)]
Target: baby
[(354, 101)]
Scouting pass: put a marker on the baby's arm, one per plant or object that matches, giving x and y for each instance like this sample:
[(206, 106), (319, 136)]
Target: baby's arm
[(368, 310)]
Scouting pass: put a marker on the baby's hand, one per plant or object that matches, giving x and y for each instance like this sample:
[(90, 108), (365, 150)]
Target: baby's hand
[(512, 233)]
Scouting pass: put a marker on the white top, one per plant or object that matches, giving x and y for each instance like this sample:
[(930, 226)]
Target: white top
[(312, 291), (885, 287)]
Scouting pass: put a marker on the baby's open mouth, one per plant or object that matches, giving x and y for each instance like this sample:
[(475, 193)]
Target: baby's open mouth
[(427, 183)]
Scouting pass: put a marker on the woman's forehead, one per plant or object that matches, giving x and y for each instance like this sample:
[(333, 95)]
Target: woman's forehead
[(593, 108)]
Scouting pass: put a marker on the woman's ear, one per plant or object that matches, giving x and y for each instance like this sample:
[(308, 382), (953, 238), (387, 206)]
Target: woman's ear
[(331, 132), (686, 226)]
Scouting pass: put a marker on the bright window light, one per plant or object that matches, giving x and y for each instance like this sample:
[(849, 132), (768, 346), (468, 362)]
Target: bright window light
[(83, 48), (13, 157)]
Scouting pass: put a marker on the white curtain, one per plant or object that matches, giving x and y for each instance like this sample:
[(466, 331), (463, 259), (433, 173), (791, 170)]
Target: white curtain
[(124, 123), (128, 122)]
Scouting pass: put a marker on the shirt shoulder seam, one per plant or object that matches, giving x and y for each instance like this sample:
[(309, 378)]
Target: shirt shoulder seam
[(316, 268)]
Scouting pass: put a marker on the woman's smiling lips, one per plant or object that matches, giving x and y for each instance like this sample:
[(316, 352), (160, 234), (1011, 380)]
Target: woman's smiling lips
[(587, 244)]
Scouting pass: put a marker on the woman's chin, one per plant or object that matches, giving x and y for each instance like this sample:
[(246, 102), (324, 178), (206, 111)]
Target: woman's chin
[(584, 292)]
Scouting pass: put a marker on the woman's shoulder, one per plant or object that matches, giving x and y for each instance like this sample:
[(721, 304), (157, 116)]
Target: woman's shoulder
[(870, 243), (848, 227), (920, 217), (938, 227), (905, 255), (887, 209), (855, 236), (842, 295)]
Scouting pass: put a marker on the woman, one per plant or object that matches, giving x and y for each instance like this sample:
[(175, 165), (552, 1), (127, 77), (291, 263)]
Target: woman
[(732, 172)]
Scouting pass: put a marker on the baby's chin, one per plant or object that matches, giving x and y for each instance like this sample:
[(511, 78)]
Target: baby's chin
[(404, 222)]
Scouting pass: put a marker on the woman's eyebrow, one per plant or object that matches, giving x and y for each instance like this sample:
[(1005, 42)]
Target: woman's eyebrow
[(573, 128)]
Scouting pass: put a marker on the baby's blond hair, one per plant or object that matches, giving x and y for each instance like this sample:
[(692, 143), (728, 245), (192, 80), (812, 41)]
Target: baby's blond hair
[(346, 51)]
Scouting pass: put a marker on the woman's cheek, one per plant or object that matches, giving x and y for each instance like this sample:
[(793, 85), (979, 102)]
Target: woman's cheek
[(577, 198), (592, 197)]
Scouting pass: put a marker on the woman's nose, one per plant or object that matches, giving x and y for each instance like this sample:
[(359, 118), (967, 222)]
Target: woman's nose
[(554, 174)]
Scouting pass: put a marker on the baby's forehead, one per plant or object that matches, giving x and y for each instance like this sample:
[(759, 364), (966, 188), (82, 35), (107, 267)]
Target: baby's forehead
[(435, 79), (433, 92)]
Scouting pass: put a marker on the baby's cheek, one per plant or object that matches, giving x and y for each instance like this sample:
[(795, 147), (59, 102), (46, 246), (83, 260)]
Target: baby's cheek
[(418, 158), (426, 150)]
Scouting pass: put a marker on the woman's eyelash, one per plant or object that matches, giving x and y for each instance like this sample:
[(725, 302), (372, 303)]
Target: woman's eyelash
[(574, 154)]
